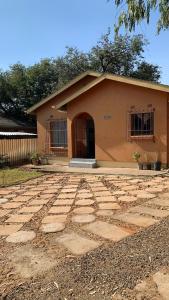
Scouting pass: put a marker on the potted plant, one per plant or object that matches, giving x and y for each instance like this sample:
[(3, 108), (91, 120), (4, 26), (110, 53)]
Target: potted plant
[(34, 158), (136, 156), (146, 164), (156, 166), (43, 159)]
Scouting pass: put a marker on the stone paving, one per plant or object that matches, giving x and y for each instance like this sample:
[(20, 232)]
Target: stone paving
[(83, 211)]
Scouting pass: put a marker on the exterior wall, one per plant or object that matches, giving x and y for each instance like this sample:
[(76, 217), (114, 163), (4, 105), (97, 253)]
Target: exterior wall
[(109, 104), (48, 112)]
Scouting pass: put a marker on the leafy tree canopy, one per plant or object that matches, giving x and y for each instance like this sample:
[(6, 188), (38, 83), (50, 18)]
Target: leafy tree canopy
[(132, 12), (21, 87)]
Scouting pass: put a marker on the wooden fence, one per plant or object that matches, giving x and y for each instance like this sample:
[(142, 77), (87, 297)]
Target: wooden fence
[(18, 150)]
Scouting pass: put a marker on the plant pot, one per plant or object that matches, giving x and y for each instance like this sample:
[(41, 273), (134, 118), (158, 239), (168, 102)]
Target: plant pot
[(140, 166), (35, 162), (44, 161), (146, 166), (156, 166)]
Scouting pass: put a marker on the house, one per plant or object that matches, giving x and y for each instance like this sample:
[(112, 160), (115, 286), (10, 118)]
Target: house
[(105, 117), (8, 124)]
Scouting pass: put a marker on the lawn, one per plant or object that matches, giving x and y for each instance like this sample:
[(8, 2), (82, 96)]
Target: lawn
[(16, 175)]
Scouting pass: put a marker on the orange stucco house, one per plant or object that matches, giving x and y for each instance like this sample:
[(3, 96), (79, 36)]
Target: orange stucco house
[(107, 118)]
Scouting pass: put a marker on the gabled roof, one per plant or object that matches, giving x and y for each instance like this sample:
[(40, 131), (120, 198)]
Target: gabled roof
[(122, 79), (71, 83)]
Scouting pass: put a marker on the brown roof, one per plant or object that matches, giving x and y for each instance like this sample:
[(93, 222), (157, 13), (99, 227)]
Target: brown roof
[(122, 79), (72, 82)]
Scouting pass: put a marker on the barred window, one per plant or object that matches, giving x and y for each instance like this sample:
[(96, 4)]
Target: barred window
[(58, 133), (142, 124)]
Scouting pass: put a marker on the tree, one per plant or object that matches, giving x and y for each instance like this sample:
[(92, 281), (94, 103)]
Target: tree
[(146, 71), (133, 12)]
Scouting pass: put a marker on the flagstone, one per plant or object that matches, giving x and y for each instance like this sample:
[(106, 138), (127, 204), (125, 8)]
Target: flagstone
[(84, 210), (119, 193), (60, 202), (19, 218), (54, 219), (11, 205), (52, 227), (3, 200), (46, 196), (30, 209), (85, 218), (145, 195), (162, 281), (31, 193), (130, 188), (109, 206), (21, 198), (21, 237), (84, 195), (159, 202), (154, 190), (105, 213), (102, 193), (9, 229), (99, 188), (77, 244), (59, 209), (38, 202), (107, 231), (127, 198), (50, 191), (164, 195), (84, 202), (66, 196), (150, 211), (5, 191), (135, 219), (69, 190), (106, 199)]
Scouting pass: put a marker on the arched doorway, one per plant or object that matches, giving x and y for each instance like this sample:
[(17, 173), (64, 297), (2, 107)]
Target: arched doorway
[(83, 135)]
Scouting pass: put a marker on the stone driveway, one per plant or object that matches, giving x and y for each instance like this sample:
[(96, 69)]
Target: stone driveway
[(84, 211)]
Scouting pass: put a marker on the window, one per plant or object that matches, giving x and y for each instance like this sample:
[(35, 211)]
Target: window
[(58, 133), (142, 124)]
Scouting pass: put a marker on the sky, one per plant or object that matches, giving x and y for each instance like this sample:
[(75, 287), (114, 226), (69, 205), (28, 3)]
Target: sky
[(35, 29)]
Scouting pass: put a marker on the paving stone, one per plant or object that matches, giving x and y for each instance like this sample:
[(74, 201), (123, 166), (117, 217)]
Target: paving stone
[(19, 218), (77, 244), (145, 195), (21, 237), (84, 191), (164, 195), (66, 196), (135, 219), (107, 231), (104, 193), (84, 195), (47, 196), (11, 205), (83, 210), (3, 200), (59, 209), (21, 198), (3, 212), (84, 202), (154, 190), (150, 211), (159, 202), (54, 219), (5, 191), (119, 193), (50, 191), (162, 281), (9, 229), (86, 218), (99, 188), (61, 202), (73, 190), (106, 199), (30, 209), (127, 198), (52, 227), (38, 202), (109, 206), (31, 193), (105, 213)]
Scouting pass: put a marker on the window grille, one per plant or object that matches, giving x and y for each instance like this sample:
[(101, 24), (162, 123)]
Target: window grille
[(141, 124)]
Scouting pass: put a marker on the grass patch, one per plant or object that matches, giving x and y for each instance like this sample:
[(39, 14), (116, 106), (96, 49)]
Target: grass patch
[(16, 175)]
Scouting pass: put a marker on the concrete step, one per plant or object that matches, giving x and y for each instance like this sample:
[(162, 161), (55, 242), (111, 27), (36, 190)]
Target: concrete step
[(82, 163)]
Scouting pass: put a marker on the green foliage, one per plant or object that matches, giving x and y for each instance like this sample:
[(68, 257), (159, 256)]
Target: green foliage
[(133, 12), (136, 156), (21, 87)]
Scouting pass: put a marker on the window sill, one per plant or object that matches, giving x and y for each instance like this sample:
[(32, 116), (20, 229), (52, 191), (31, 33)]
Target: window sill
[(53, 148), (142, 137)]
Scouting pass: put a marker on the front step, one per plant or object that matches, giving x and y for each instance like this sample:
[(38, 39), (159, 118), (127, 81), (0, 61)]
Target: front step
[(82, 163)]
